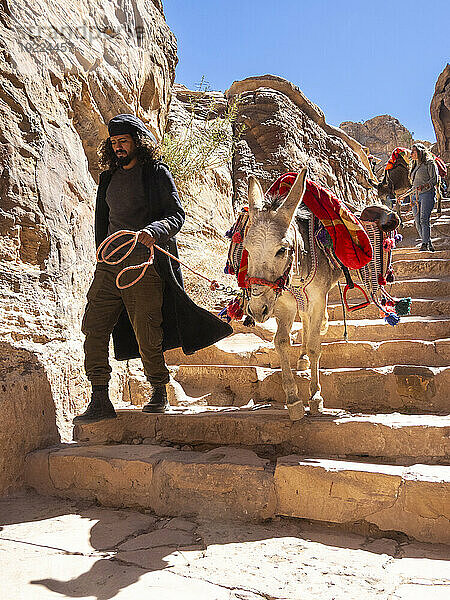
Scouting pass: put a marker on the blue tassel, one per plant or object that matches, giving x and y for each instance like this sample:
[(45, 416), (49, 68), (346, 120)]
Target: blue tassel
[(229, 233), (392, 319), (398, 237)]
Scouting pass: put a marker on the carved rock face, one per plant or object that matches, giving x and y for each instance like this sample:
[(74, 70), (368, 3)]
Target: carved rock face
[(440, 114), (284, 131), (57, 92)]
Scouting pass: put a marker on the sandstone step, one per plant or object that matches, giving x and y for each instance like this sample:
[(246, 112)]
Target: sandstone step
[(250, 350), (421, 307), (413, 499), (270, 433), (377, 330), (403, 253), (409, 267), (235, 483), (404, 388), (408, 218), (237, 349), (376, 354), (228, 483), (424, 287), (440, 227), (441, 241)]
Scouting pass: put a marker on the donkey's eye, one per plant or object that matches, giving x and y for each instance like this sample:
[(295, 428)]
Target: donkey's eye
[(281, 251)]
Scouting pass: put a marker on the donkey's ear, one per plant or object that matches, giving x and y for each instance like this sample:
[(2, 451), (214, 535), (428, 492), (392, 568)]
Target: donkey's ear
[(255, 194), (290, 204)]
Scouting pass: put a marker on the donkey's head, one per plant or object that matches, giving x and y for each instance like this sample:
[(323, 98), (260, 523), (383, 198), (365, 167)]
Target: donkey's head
[(270, 243)]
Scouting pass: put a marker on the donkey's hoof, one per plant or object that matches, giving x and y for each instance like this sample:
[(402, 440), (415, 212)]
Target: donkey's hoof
[(296, 410), (316, 405), (303, 363)]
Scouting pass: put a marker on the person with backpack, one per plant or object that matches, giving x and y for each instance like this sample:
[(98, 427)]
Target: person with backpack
[(136, 192), (424, 179)]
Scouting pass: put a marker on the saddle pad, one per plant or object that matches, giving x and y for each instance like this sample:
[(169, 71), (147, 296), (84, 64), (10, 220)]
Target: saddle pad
[(403, 152), (350, 241)]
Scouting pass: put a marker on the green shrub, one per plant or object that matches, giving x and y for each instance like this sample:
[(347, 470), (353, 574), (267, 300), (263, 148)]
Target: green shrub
[(205, 142)]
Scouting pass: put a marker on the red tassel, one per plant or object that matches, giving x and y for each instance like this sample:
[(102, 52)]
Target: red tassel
[(381, 280), (237, 237), (234, 310), (388, 243), (390, 276)]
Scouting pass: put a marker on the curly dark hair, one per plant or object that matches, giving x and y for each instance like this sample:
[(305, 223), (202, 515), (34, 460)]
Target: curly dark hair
[(146, 152)]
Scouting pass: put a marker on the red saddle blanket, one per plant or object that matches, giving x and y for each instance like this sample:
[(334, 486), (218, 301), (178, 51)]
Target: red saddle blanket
[(403, 152), (350, 241)]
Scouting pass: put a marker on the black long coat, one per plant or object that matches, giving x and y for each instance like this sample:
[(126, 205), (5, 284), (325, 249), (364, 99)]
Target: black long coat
[(185, 324)]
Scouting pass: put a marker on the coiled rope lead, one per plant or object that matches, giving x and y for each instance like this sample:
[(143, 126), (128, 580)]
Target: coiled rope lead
[(103, 256)]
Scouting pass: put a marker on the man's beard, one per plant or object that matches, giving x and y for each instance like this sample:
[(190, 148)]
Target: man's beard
[(124, 159)]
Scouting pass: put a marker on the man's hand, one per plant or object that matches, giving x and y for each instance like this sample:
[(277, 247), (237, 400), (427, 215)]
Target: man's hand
[(146, 239)]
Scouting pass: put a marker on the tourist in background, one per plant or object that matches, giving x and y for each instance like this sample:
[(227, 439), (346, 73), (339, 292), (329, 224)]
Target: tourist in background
[(424, 178)]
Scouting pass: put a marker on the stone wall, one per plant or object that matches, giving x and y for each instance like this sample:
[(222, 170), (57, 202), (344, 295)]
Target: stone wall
[(65, 70)]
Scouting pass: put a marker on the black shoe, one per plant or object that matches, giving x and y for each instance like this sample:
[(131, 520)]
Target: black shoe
[(431, 247), (158, 402), (424, 246), (99, 408)]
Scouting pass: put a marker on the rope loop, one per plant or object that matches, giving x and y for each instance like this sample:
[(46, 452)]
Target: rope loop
[(102, 255)]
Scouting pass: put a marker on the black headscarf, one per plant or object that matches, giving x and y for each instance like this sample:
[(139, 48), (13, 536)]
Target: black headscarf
[(129, 124)]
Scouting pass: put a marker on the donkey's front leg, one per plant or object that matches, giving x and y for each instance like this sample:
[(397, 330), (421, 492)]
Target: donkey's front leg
[(283, 345), (317, 317), (302, 337)]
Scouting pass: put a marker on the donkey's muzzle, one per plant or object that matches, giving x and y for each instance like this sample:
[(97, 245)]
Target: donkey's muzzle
[(260, 314)]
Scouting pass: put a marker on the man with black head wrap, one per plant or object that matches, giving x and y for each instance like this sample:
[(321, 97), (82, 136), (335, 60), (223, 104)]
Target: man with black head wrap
[(137, 192)]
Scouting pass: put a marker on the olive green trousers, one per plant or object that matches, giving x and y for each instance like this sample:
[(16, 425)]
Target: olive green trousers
[(143, 302)]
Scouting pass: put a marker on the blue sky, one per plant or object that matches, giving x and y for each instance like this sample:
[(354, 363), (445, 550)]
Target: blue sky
[(355, 59)]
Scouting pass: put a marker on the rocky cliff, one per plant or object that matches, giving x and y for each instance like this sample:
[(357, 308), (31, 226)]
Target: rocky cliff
[(283, 131), (440, 113), (65, 70), (380, 134)]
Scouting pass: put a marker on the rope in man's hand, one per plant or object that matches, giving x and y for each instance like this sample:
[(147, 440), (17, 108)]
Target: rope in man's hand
[(104, 256)]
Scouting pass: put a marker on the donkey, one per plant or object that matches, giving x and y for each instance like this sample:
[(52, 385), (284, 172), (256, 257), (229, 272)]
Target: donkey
[(395, 182), (270, 242)]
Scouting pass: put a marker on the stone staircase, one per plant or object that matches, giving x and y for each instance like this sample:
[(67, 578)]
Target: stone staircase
[(377, 457)]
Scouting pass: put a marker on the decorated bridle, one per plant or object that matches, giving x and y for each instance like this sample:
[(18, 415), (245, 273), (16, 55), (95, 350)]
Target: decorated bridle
[(282, 282)]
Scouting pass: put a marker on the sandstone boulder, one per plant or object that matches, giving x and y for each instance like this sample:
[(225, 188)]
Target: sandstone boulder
[(380, 135), (283, 131)]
